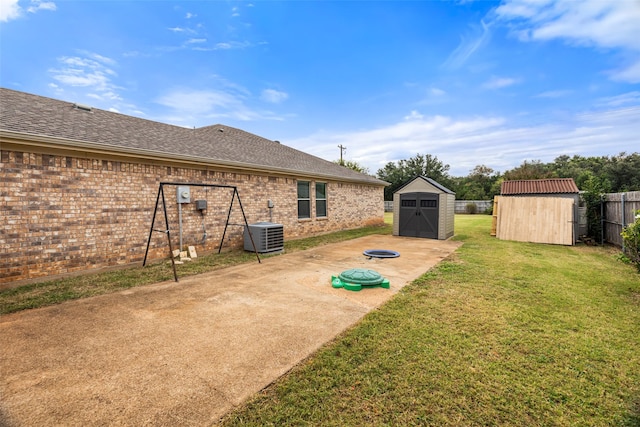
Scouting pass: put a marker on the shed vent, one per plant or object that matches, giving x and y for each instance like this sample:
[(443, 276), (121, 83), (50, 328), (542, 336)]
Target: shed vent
[(267, 236)]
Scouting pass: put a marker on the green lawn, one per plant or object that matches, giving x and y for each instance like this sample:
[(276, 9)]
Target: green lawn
[(388, 217), (502, 333)]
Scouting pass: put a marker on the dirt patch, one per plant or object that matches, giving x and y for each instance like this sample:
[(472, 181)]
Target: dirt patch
[(186, 353)]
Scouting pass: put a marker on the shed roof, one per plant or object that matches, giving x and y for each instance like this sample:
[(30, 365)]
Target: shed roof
[(539, 186), (63, 124), (430, 181)]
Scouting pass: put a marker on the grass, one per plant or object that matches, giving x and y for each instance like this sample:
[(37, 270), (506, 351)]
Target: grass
[(501, 333), (57, 291)]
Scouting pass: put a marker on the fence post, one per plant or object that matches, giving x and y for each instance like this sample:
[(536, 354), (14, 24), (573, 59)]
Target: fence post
[(602, 222), (623, 217)]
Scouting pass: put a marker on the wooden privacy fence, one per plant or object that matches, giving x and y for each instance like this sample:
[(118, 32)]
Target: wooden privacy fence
[(618, 211)]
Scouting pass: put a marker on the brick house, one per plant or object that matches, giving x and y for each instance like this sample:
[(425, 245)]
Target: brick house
[(78, 187)]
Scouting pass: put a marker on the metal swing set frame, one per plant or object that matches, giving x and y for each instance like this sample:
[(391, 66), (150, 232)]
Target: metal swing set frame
[(166, 219)]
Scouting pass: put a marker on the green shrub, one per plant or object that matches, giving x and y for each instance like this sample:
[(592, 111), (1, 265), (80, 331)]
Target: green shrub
[(489, 210), (631, 238), (471, 208)]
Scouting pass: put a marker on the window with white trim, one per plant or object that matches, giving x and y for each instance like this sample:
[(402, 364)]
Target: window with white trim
[(321, 199), (304, 200)]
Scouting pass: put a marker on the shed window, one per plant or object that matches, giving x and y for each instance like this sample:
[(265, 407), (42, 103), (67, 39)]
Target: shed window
[(321, 199), (304, 201), (428, 203), (408, 203)]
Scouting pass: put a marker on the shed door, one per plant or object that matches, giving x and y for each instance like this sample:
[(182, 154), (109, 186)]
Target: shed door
[(419, 215)]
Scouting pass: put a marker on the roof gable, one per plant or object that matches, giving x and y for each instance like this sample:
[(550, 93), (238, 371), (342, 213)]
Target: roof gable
[(438, 186), (65, 124), (539, 186)]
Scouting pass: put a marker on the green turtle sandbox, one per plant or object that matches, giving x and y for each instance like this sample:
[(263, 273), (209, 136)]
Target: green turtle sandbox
[(356, 278)]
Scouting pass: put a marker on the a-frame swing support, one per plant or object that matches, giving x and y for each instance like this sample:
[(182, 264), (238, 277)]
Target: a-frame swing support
[(166, 220)]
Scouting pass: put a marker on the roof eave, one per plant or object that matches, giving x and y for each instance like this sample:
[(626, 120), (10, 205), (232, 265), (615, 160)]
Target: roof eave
[(30, 139)]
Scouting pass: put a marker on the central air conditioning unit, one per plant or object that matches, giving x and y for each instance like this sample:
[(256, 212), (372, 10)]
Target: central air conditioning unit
[(267, 236)]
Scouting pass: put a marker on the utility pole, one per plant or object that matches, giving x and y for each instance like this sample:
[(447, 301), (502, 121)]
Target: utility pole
[(342, 149)]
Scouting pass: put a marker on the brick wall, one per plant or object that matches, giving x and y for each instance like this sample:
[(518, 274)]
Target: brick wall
[(62, 213)]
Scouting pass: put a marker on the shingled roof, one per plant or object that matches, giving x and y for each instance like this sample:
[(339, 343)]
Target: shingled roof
[(26, 117), (539, 186)]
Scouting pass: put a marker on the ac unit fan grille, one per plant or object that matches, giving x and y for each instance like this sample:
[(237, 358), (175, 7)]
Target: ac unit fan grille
[(267, 236)]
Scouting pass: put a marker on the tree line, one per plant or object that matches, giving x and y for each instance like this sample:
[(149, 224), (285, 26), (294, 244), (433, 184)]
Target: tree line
[(603, 174)]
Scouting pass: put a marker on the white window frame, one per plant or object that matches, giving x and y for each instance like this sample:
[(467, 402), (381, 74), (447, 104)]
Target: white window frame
[(303, 199), (324, 199)]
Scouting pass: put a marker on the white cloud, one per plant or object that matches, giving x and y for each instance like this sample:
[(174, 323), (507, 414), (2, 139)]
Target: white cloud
[(37, 5), (99, 58), (497, 142), (273, 96), (190, 15), (468, 46), (630, 74), (192, 41), (622, 99), (500, 82), (199, 101), (90, 71), (437, 92), (10, 9), (414, 115), (232, 45), (199, 107), (596, 23), (588, 22)]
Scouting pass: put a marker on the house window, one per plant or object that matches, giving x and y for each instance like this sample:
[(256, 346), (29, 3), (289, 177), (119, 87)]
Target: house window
[(321, 199), (304, 200)]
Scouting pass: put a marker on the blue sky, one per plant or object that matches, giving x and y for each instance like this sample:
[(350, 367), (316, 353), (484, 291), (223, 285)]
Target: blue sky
[(471, 82)]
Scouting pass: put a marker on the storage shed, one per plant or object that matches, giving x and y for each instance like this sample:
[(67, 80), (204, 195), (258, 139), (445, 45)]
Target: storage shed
[(539, 211), (423, 208)]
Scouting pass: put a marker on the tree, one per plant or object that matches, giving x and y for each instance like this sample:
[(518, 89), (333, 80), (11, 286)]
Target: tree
[(482, 183), (482, 178), (352, 164), (623, 172), (399, 173), (529, 170), (594, 188)]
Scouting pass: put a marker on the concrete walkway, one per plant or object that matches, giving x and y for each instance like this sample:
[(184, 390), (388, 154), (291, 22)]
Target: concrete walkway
[(186, 353)]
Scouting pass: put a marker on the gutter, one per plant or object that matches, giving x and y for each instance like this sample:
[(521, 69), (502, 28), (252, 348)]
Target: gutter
[(36, 140)]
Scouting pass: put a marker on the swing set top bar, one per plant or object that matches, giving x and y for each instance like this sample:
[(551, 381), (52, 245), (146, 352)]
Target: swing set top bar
[(197, 184)]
